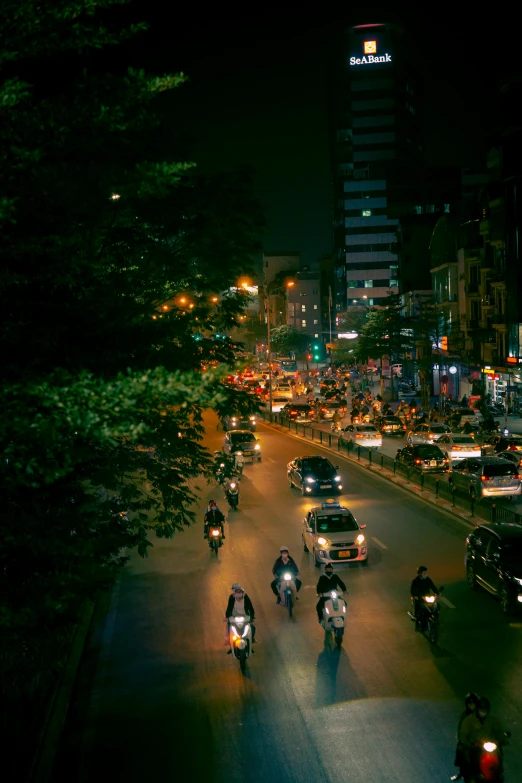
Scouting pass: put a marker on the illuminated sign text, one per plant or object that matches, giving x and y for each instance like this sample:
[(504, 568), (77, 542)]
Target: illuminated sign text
[(370, 58)]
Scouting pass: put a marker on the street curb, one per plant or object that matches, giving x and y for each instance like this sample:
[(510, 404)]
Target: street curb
[(50, 739), (418, 492)]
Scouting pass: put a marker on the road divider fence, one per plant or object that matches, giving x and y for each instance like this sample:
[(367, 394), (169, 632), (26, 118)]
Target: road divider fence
[(431, 482)]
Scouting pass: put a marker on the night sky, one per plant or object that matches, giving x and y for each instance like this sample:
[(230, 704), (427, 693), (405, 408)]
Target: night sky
[(259, 95)]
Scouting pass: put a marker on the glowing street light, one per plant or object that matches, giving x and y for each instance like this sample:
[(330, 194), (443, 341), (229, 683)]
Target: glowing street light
[(165, 307), (115, 196)]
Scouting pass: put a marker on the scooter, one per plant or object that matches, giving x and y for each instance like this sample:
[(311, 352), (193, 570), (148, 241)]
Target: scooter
[(336, 426), (489, 762), (287, 591), (334, 615), (232, 494), (428, 621), (215, 538), (240, 635)]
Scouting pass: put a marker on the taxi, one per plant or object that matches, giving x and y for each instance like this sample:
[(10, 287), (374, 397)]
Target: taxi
[(333, 535)]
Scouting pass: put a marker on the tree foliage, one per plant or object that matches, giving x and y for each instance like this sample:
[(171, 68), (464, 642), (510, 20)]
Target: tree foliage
[(286, 339), (387, 332), (114, 252)]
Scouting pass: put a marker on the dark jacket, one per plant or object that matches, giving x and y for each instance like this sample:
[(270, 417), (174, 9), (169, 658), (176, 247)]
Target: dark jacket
[(249, 607), (327, 583), (215, 517), (279, 566), (420, 587)]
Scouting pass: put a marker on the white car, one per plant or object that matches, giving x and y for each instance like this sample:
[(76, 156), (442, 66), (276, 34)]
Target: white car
[(332, 534), (362, 435), (281, 392), (278, 404), (458, 446), (427, 433)]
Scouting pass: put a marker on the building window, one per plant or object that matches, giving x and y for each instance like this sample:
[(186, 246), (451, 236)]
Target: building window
[(303, 322), (368, 283), (351, 283), (291, 309), (316, 321), (393, 283), (303, 308), (315, 307), (316, 335), (366, 213), (302, 294)]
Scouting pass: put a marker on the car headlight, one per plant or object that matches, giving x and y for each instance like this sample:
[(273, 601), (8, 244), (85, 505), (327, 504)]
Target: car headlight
[(238, 453), (233, 418), (360, 539), (257, 446), (310, 480), (252, 418), (322, 541), (337, 478)]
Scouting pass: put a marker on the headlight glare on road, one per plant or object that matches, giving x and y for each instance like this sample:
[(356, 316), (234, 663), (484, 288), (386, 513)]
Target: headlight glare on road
[(322, 541), (337, 478), (310, 480)]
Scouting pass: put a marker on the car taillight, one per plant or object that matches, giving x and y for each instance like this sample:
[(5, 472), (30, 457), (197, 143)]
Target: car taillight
[(518, 475), (359, 436), (418, 461), (456, 448)]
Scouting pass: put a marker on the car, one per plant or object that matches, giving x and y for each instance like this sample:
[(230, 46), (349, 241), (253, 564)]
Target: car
[(243, 441), (240, 422), (427, 433), (496, 443), (329, 407), (390, 426), (424, 457), (466, 415), (486, 477), (457, 446), (278, 393), (333, 535), (277, 404), (252, 386), (494, 561), (327, 383), (366, 435), (299, 411), (512, 456), (312, 474)]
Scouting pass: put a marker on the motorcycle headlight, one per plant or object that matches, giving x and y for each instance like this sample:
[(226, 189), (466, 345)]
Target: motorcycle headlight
[(287, 577), (322, 541), (215, 532), (337, 478), (257, 446), (489, 747), (252, 418), (232, 486), (430, 599), (238, 453), (310, 480), (234, 418)]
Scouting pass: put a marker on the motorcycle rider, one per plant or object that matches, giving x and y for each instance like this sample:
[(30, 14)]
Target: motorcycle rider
[(239, 605), (336, 421), (284, 563), (470, 707), (327, 581), (231, 490), (421, 586), (213, 517), (479, 727), (239, 462)]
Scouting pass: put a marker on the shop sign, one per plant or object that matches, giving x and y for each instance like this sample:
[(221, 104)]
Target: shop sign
[(370, 55)]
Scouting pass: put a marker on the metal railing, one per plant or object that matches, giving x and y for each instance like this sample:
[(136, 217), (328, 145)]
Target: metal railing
[(478, 507)]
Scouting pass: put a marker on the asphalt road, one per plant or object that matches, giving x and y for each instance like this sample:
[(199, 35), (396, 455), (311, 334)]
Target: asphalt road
[(158, 697)]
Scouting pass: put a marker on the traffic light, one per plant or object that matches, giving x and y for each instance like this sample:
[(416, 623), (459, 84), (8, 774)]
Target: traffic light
[(318, 351), (309, 356)]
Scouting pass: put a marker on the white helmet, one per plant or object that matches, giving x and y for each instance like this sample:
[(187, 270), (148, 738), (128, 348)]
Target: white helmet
[(284, 549)]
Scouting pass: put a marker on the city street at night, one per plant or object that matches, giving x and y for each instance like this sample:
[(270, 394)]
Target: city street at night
[(157, 695)]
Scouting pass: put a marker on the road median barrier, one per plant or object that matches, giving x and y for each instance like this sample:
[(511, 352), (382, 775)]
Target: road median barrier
[(427, 487)]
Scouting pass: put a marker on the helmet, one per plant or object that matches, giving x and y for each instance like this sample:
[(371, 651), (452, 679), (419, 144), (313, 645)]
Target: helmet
[(238, 587), (421, 569), (284, 549), (235, 584)]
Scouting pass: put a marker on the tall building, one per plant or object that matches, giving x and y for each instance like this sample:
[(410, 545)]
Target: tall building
[(376, 146), (304, 303)]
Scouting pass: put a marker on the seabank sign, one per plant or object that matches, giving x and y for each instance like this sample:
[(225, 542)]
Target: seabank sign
[(370, 55)]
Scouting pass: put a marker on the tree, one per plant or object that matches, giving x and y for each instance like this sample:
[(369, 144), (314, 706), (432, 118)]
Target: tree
[(352, 320), (286, 339), (113, 251), (344, 351)]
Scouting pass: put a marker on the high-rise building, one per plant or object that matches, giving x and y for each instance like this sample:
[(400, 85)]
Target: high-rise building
[(376, 146)]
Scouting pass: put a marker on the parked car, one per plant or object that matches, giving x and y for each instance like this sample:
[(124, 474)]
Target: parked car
[(458, 446), (486, 477), (427, 433), (366, 435), (496, 443), (494, 561), (423, 457)]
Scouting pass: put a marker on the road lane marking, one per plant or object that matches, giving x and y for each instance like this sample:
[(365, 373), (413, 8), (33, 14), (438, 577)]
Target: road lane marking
[(379, 543), (271, 459), (447, 602)]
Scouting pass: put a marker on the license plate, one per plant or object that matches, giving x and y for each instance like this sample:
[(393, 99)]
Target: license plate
[(327, 486), (248, 453), (344, 553), (433, 463)]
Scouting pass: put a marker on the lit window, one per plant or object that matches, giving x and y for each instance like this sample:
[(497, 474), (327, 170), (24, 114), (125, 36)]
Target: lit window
[(393, 283), (366, 213), (316, 321), (351, 283), (315, 307), (303, 308), (368, 283), (316, 335), (303, 322)]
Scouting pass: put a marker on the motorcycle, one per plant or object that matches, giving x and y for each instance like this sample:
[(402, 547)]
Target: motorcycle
[(232, 494), (215, 538), (334, 615), (336, 426), (287, 591), (429, 617), (489, 762), (240, 636)]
